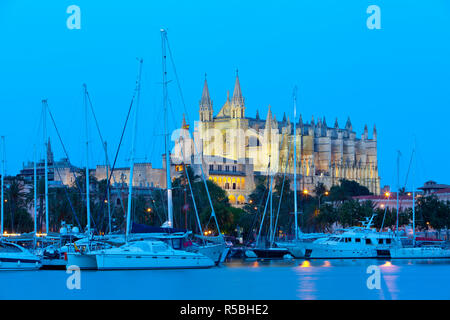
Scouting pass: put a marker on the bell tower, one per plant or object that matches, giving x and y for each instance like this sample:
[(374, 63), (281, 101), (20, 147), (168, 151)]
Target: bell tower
[(206, 107)]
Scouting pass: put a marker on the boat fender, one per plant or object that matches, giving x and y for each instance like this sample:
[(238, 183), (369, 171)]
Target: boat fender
[(250, 254)]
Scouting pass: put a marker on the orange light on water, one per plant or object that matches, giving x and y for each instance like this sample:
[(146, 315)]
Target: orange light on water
[(305, 264), (387, 264), (326, 264)]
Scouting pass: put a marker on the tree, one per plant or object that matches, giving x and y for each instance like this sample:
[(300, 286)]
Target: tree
[(346, 190), (16, 204)]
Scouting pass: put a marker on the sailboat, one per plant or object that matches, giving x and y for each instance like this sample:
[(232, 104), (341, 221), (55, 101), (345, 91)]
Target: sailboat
[(147, 254), (268, 249), (402, 248), (296, 247), (13, 256), (212, 247)]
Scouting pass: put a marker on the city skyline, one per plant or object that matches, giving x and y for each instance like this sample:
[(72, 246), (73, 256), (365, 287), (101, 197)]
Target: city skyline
[(394, 78)]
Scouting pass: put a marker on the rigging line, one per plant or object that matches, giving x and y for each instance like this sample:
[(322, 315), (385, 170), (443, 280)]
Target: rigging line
[(265, 210), (282, 188), (37, 129), (117, 152), (65, 150), (409, 167), (213, 213), (192, 192), (68, 198), (177, 78), (259, 206)]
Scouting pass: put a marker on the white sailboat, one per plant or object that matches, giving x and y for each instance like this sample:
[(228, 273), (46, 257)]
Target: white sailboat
[(296, 247), (147, 254), (13, 256), (412, 249)]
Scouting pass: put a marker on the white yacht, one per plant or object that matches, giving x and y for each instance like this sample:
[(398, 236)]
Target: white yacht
[(14, 257), (297, 247), (149, 254), (407, 248), (355, 243)]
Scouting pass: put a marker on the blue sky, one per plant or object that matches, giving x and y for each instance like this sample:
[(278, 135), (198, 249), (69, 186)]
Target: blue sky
[(396, 77)]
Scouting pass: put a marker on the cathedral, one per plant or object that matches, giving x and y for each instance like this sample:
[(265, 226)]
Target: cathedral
[(233, 148)]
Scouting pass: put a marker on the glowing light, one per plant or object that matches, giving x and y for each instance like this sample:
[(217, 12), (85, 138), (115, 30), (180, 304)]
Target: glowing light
[(305, 264), (387, 264), (387, 194), (326, 264), (305, 191), (327, 193), (149, 210)]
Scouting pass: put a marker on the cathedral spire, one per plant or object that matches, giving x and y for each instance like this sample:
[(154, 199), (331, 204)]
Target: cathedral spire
[(206, 109), (284, 116), (206, 100), (336, 124), (374, 132), (300, 121), (184, 125), (325, 122), (257, 114), (237, 99), (348, 125)]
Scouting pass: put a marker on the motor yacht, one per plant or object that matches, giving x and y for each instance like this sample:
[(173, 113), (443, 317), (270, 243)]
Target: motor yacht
[(15, 257)]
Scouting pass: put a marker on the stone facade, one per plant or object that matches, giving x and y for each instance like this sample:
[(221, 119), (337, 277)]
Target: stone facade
[(265, 146)]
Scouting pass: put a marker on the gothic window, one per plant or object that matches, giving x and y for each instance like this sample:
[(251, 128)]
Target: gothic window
[(211, 167), (219, 167), (227, 168)]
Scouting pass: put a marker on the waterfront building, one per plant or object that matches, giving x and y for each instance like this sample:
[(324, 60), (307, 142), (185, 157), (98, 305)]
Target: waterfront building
[(261, 147)]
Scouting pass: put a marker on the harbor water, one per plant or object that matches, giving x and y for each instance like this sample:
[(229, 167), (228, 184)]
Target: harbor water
[(243, 279)]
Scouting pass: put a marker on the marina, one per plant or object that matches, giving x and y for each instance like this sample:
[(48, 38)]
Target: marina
[(262, 279), (224, 151)]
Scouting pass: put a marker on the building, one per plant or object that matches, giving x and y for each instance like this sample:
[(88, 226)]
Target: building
[(324, 154)]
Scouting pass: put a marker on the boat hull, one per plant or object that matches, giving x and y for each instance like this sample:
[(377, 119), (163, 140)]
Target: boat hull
[(419, 253), (19, 263), (271, 253), (216, 252), (82, 261), (107, 261)]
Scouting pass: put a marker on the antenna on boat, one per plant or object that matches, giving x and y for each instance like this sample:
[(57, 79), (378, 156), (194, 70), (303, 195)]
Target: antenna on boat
[(133, 141), (166, 124)]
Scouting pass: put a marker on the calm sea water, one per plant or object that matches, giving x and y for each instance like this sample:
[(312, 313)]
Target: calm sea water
[(257, 279)]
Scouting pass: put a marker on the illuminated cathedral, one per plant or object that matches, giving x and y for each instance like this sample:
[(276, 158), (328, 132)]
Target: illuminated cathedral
[(234, 147)]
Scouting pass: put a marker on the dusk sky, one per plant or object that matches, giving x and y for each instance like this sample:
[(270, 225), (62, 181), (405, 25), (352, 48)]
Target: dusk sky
[(397, 77)]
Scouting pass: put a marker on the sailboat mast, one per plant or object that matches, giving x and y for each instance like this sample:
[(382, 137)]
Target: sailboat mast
[(295, 165), (47, 211), (88, 206), (166, 123), (2, 185), (107, 187), (414, 202), (133, 141), (398, 187), (35, 193)]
